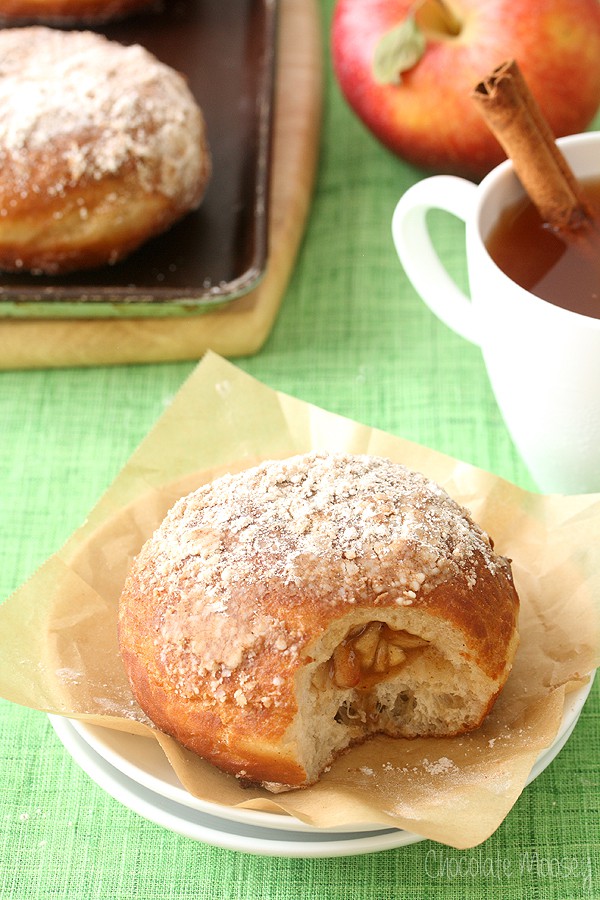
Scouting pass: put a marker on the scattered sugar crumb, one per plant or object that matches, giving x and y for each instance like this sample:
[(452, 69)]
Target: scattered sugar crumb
[(500, 783), (223, 388), (440, 766)]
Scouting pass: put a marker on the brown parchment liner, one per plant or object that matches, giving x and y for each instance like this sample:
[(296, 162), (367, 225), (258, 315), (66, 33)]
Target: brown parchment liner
[(58, 637)]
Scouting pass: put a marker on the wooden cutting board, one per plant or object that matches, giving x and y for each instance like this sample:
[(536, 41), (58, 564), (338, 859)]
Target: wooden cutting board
[(242, 327)]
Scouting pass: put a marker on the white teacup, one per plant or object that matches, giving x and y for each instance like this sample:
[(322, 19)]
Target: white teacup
[(543, 361)]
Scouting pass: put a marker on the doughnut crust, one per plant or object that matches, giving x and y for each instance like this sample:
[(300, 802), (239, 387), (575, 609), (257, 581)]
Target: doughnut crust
[(279, 615), (101, 147), (68, 12)]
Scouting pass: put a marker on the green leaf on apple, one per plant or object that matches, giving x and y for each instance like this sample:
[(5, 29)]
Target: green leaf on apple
[(397, 51)]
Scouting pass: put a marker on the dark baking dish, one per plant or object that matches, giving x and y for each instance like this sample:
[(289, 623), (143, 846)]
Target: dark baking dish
[(219, 252)]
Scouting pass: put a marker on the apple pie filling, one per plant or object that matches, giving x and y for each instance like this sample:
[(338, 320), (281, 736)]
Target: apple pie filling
[(371, 653), (369, 656)]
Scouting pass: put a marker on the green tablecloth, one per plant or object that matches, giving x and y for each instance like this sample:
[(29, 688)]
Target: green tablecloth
[(351, 337)]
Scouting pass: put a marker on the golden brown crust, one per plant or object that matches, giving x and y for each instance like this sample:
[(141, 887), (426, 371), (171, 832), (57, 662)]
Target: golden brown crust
[(227, 604), (488, 614), (101, 148), (249, 753)]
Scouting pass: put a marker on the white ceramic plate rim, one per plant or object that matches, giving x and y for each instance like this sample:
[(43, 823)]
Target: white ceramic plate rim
[(142, 762), (215, 830)]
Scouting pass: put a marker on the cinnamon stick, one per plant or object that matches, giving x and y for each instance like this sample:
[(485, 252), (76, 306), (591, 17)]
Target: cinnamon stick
[(515, 119)]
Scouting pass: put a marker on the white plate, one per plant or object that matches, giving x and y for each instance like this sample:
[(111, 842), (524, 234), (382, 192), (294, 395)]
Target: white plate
[(135, 772), (144, 762), (215, 830)]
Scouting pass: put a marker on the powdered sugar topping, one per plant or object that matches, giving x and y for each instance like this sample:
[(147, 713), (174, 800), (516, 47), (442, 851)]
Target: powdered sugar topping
[(337, 528), (97, 106)]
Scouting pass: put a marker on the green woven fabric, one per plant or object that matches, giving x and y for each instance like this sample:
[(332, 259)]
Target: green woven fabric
[(352, 337)]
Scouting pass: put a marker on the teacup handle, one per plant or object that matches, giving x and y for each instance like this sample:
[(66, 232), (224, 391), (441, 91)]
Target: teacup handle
[(418, 255)]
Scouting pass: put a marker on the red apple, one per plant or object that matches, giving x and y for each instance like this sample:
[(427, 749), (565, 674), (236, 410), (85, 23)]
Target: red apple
[(425, 113)]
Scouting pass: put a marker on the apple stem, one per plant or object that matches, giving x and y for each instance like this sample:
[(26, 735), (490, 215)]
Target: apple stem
[(437, 15)]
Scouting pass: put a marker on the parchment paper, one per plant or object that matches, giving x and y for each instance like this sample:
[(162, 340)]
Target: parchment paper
[(58, 638)]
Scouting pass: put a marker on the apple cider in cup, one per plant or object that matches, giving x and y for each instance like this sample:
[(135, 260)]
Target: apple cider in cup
[(536, 257)]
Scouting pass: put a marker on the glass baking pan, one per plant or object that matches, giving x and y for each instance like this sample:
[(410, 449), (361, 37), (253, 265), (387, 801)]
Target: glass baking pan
[(219, 252)]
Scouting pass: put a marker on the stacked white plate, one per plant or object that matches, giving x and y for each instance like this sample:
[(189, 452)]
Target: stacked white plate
[(135, 772)]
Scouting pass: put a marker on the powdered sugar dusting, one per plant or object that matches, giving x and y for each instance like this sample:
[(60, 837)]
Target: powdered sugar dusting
[(97, 106), (339, 527), (441, 766)]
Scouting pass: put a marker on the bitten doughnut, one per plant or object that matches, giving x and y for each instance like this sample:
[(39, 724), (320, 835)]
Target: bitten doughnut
[(68, 12), (279, 615), (101, 147)]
